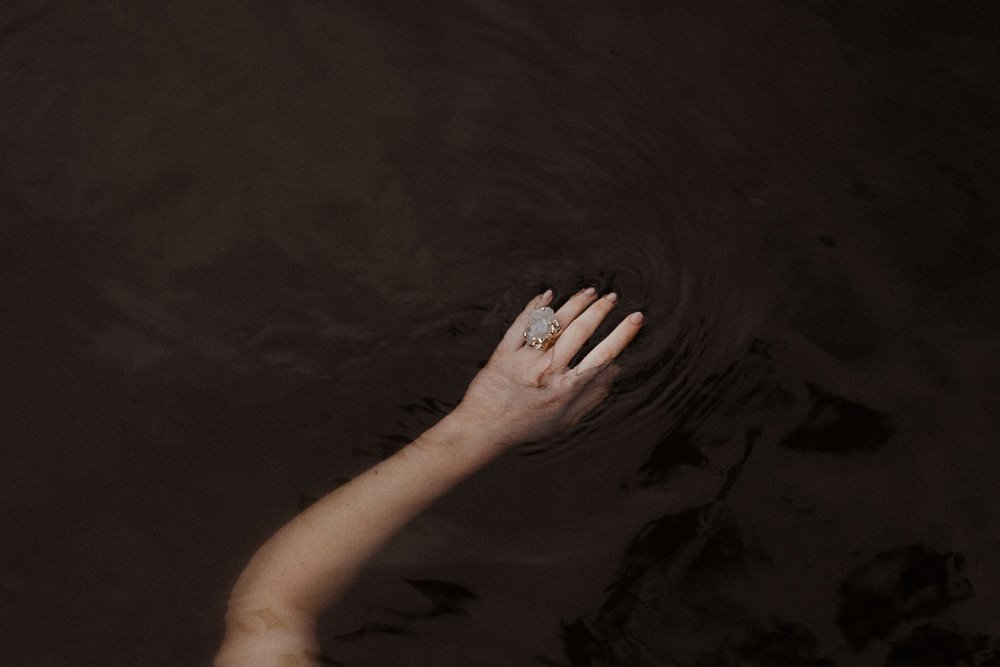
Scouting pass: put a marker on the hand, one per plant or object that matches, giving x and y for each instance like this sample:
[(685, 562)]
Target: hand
[(524, 394)]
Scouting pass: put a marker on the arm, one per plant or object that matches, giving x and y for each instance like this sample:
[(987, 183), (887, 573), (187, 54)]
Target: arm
[(522, 394)]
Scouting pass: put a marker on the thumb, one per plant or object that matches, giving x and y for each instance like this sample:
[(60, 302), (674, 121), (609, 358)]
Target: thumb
[(595, 391)]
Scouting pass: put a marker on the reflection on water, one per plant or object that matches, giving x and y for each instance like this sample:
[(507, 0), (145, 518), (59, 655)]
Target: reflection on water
[(269, 246)]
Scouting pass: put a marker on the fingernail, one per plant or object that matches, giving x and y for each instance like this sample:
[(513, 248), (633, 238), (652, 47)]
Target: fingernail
[(635, 318), (547, 295), (612, 297), (590, 291)]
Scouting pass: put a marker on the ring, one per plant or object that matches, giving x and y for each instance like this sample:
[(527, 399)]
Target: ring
[(542, 329)]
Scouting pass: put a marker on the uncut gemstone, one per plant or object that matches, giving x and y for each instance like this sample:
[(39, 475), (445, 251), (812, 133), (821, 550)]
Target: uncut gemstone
[(538, 323)]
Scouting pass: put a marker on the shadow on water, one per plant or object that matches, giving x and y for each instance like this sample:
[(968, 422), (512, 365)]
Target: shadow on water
[(254, 249)]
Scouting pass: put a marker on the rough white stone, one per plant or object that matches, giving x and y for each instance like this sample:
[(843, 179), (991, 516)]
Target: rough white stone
[(538, 323)]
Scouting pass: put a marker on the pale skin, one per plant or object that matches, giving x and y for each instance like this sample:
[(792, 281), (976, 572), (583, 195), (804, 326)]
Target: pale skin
[(521, 395)]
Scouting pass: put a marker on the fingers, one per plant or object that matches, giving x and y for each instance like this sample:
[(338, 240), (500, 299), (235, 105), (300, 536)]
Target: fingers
[(514, 338), (581, 329), (579, 324), (574, 306), (609, 348)]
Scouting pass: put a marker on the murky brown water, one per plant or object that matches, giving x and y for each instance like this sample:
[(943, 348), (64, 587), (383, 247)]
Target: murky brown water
[(248, 250)]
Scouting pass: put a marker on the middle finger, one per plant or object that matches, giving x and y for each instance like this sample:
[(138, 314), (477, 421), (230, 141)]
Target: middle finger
[(575, 305), (581, 329)]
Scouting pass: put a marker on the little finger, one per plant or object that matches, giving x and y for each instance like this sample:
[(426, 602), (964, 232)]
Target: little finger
[(608, 349)]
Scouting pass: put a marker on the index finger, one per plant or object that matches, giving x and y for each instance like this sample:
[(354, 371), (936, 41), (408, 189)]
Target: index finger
[(608, 349)]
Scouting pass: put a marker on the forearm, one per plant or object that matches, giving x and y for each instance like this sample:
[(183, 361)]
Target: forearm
[(307, 564)]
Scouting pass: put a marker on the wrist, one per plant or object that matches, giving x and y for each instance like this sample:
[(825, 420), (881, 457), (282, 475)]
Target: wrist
[(466, 432)]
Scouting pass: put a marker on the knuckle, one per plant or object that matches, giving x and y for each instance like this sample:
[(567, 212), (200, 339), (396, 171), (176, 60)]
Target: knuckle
[(599, 363), (603, 360), (539, 377)]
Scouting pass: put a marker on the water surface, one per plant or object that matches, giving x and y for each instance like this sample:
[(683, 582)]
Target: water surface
[(252, 249)]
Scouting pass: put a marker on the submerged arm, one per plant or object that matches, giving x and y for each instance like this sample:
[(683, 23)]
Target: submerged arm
[(309, 563), (522, 394)]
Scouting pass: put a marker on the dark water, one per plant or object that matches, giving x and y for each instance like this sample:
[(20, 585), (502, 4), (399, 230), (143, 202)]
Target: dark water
[(248, 249)]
